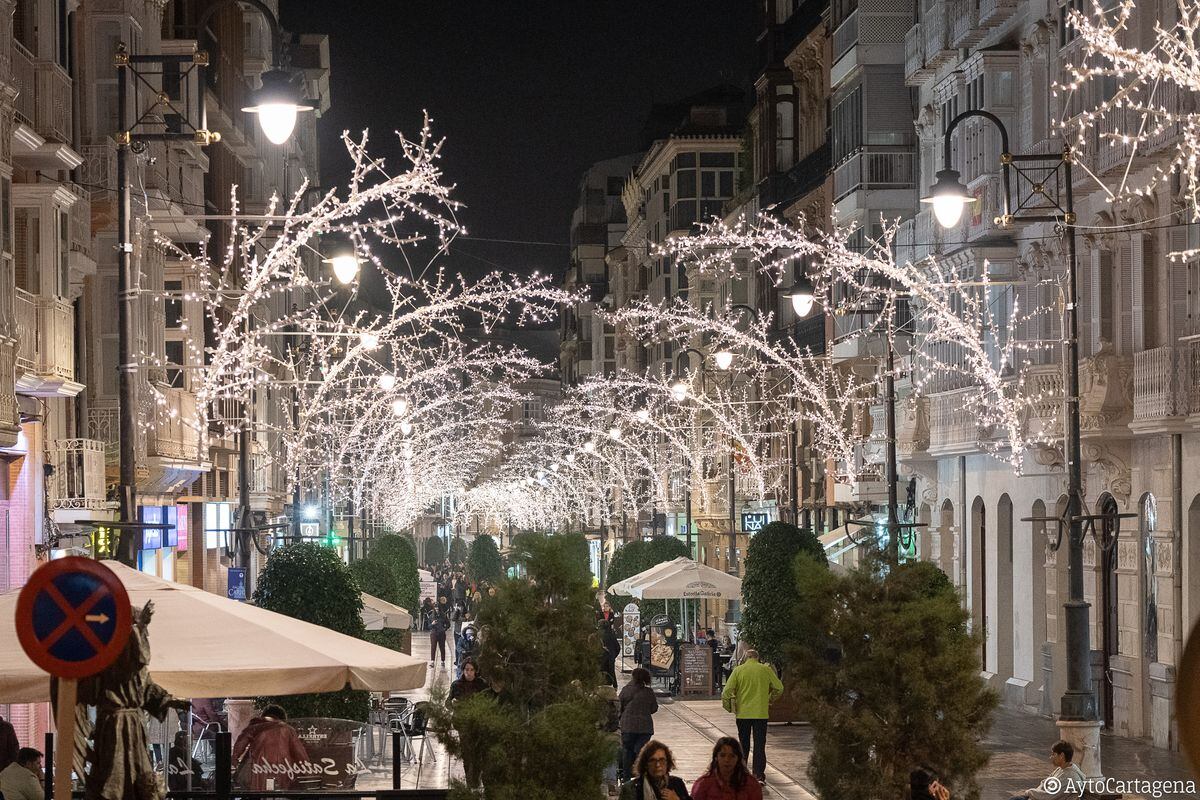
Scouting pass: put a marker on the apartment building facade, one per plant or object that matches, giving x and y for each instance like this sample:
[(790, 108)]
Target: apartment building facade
[(1139, 316), (587, 346), (58, 299)]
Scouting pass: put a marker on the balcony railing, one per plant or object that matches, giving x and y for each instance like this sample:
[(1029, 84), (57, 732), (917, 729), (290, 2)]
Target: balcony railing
[(875, 168), (78, 480), (935, 26), (1191, 361), (25, 313), (846, 36), (104, 426), (1160, 387), (964, 23), (44, 101), (914, 54), (80, 221)]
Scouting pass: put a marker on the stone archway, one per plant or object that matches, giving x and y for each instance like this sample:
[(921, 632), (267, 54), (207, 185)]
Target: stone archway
[(946, 547), (977, 572), (1000, 611)]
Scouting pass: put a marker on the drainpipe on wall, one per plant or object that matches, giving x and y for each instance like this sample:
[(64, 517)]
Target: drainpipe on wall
[(1177, 522), (962, 528)]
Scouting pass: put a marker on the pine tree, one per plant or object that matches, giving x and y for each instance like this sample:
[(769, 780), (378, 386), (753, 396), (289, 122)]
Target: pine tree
[(888, 675), (539, 650), (457, 554)]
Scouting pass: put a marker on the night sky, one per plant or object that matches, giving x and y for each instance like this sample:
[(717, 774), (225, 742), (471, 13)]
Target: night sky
[(528, 94)]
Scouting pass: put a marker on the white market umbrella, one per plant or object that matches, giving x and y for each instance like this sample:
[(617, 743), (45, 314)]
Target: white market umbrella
[(379, 614), (688, 580), (629, 585), (204, 645)]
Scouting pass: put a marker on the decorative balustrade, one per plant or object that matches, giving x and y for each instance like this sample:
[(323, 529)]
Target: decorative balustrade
[(914, 55), (875, 168), (1159, 383), (78, 480), (964, 23), (24, 76), (935, 24), (99, 168), (25, 316), (1190, 366), (104, 426), (80, 222), (44, 99), (952, 425), (175, 432), (994, 12)]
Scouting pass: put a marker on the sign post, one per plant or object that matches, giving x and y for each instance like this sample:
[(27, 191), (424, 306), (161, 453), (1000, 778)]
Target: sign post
[(73, 620)]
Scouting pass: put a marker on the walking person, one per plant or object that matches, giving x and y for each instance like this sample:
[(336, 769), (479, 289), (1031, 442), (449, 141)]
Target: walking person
[(437, 639), (749, 692), (610, 649), (652, 776), (638, 706), (727, 777)]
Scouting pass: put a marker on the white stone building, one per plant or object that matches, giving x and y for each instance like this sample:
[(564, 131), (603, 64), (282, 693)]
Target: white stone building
[(1140, 376)]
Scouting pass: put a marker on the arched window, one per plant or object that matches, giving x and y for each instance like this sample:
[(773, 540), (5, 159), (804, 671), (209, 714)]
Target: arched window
[(1147, 522)]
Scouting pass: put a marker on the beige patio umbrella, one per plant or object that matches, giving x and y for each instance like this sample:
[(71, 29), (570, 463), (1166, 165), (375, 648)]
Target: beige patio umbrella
[(379, 614), (629, 585), (204, 645)]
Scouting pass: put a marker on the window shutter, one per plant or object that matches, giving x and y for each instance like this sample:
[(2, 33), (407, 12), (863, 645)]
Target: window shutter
[(1180, 323), (1088, 310), (1137, 292), (1125, 332)]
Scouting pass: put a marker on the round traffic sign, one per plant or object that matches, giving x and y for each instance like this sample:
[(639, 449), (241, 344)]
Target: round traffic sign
[(73, 617)]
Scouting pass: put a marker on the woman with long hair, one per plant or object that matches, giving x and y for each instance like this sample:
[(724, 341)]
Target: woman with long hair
[(652, 776), (638, 706), (727, 777)]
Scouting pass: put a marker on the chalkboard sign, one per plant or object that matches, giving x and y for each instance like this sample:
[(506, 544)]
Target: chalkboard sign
[(695, 664)]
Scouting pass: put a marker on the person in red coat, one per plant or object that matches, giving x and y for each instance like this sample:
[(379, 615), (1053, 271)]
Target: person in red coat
[(269, 748), (727, 777)]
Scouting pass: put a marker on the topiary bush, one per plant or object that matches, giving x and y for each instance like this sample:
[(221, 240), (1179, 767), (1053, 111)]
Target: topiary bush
[(389, 571), (458, 552), (309, 582), (638, 556), (435, 552), (484, 565), (769, 593)]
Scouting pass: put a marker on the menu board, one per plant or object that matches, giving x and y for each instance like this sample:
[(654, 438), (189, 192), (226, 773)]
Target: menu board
[(695, 668), (631, 619)]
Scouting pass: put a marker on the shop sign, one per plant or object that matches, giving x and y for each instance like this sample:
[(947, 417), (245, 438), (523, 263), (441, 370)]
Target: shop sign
[(330, 761), (755, 521), (237, 583)]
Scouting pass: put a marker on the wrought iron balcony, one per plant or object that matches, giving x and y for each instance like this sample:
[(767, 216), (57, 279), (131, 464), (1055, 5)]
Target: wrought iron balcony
[(78, 480)]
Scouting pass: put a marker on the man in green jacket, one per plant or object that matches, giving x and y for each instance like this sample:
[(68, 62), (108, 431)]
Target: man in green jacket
[(750, 690)]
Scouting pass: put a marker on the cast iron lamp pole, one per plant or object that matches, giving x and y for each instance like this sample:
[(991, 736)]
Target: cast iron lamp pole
[(948, 198)]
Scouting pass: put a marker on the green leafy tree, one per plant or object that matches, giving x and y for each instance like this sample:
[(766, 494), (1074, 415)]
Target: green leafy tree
[(888, 674), (539, 650), (435, 551), (458, 551), (389, 572), (484, 564), (638, 556), (310, 582), (769, 593)]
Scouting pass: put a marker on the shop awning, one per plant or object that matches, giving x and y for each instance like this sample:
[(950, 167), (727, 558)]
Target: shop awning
[(204, 645), (379, 614)]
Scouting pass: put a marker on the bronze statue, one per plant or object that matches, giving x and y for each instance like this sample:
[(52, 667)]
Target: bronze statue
[(118, 757)]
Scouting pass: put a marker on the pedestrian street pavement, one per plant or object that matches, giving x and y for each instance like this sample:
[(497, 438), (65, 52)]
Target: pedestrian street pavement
[(1019, 744)]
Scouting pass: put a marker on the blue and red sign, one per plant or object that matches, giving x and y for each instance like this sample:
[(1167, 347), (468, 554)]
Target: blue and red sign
[(73, 617)]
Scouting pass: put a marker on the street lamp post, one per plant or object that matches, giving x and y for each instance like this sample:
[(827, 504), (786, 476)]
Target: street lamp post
[(1078, 719), (277, 104)]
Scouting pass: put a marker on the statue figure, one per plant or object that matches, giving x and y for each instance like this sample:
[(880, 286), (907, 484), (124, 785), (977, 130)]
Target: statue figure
[(118, 758)]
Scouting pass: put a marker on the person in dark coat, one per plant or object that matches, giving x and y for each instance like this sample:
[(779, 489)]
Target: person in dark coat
[(653, 767), (8, 744), (270, 743), (638, 705), (181, 764), (469, 684), (437, 639), (610, 649)]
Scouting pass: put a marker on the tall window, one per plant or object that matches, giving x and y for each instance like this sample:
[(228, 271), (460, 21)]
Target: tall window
[(847, 125), (1148, 521)]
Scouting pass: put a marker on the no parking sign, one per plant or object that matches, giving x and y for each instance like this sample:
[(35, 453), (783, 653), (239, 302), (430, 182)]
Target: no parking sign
[(73, 619)]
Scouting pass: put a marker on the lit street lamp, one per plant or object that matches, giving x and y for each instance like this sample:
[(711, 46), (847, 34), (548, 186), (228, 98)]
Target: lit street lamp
[(1050, 199)]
